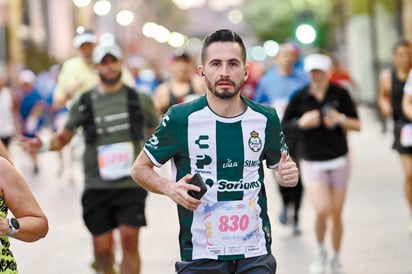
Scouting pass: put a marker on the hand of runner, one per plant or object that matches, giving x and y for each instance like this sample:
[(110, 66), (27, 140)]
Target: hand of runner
[(178, 192), (31, 145), (287, 170)]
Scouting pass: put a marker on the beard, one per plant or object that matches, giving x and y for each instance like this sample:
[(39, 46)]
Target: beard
[(111, 80), (225, 94)]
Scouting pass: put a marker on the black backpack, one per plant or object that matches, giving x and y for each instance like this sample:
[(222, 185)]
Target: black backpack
[(134, 109)]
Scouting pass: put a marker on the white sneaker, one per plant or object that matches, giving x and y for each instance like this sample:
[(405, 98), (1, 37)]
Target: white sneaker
[(319, 264), (335, 265)]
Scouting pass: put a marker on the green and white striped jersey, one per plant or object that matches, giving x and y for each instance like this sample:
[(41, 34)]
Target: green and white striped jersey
[(232, 221)]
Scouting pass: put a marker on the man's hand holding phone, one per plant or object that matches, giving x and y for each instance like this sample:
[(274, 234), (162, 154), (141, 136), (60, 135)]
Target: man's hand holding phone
[(197, 181)]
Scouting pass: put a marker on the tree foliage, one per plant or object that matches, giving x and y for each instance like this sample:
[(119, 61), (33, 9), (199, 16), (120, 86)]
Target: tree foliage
[(278, 19)]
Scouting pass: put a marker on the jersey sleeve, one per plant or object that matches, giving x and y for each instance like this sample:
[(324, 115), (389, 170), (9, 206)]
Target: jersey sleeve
[(275, 142), (164, 142), (74, 118)]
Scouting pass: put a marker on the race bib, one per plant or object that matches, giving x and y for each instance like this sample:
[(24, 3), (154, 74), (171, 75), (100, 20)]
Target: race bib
[(115, 160), (406, 135), (233, 228)]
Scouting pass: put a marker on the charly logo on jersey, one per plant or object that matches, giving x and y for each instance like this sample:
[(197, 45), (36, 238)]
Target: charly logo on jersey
[(201, 141), (202, 160), (255, 144)]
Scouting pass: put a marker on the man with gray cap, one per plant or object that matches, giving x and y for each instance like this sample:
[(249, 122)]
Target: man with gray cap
[(114, 118)]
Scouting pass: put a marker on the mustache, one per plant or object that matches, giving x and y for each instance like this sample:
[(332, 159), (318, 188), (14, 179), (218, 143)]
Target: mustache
[(225, 80)]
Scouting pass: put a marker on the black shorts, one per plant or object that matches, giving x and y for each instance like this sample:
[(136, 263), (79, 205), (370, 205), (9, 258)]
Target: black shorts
[(6, 140), (397, 140), (104, 210), (265, 264)]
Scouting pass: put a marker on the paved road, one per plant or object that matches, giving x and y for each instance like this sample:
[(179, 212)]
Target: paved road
[(376, 218)]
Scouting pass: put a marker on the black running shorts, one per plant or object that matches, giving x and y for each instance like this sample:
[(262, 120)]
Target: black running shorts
[(104, 210)]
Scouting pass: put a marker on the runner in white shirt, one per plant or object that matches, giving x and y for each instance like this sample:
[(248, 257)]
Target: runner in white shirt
[(225, 138)]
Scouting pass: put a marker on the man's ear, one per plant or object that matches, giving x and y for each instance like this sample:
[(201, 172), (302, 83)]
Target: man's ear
[(200, 70)]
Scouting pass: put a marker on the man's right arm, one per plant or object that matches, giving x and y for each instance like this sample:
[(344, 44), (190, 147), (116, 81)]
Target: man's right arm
[(144, 175)]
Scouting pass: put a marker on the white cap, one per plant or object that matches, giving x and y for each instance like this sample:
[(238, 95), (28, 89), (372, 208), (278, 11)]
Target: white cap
[(84, 37), (102, 50), (317, 61)]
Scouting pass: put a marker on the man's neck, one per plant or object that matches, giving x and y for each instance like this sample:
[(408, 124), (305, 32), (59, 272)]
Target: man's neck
[(227, 108), (106, 88)]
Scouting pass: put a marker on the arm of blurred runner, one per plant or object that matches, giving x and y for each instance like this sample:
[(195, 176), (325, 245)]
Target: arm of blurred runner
[(384, 94)]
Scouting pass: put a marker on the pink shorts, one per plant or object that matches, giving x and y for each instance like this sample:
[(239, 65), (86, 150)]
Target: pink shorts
[(334, 172)]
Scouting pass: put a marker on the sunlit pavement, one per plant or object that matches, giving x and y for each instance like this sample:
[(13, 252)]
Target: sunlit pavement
[(376, 218)]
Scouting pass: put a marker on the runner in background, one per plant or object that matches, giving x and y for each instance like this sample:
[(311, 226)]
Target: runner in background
[(324, 113), (275, 88)]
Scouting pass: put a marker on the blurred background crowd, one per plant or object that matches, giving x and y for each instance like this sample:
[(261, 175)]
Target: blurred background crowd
[(38, 34)]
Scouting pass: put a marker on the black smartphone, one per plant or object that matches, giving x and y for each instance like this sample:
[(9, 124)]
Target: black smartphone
[(197, 181)]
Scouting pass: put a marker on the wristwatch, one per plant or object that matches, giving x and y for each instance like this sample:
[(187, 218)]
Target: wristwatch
[(14, 226)]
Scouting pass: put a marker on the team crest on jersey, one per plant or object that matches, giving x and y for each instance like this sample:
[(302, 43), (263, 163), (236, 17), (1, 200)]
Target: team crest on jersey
[(255, 144)]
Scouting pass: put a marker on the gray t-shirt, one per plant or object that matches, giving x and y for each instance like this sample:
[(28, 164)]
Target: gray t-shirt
[(114, 141)]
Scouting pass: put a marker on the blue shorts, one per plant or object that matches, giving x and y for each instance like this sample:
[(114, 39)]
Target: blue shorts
[(265, 264)]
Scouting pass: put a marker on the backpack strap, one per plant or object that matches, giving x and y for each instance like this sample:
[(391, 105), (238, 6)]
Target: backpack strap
[(133, 108), (135, 114), (87, 117)]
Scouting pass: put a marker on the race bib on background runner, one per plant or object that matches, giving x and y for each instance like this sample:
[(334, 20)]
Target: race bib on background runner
[(115, 160), (406, 135)]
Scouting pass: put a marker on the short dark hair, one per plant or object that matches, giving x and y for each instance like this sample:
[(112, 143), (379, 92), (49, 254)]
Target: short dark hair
[(222, 35), (402, 42)]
